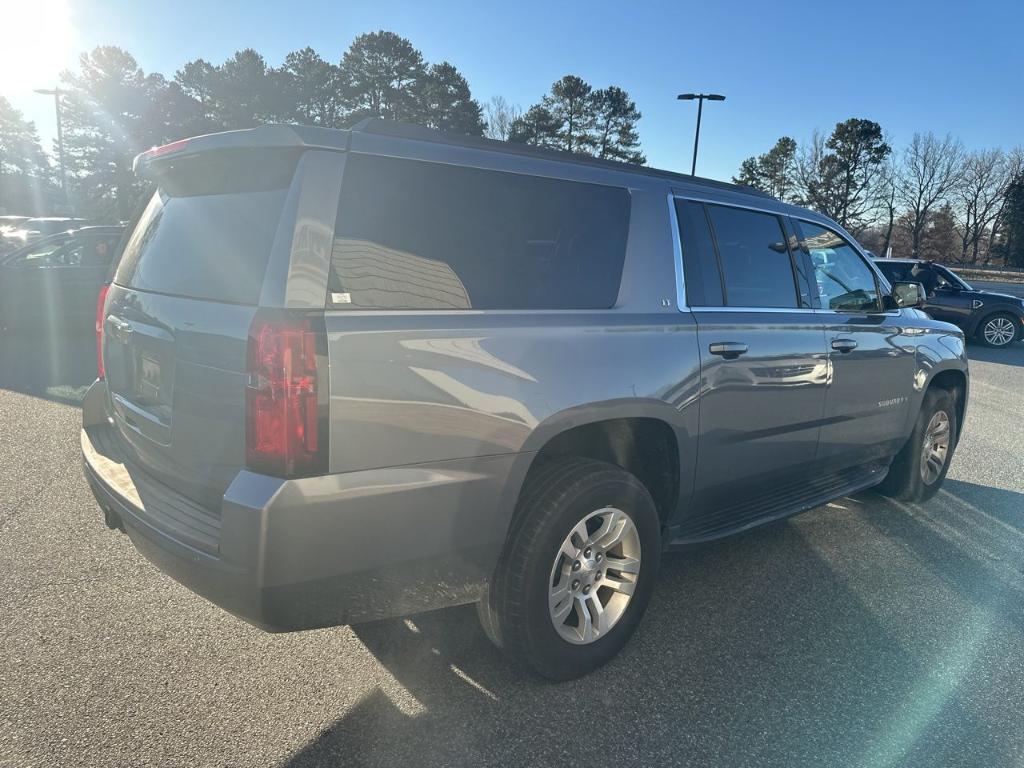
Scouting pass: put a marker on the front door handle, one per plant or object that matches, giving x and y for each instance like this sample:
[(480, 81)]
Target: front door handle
[(844, 345), (730, 350)]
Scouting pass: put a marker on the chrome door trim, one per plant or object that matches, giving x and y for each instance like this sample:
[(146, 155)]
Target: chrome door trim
[(767, 310), (677, 253)]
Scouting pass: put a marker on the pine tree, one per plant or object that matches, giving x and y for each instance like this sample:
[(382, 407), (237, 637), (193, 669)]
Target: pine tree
[(571, 103), (312, 89), (615, 121), (448, 104), (26, 180), (575, 118), (383, 76), (536, 126)]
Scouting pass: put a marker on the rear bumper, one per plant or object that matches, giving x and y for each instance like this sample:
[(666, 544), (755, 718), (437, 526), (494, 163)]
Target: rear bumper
[(297, 554)]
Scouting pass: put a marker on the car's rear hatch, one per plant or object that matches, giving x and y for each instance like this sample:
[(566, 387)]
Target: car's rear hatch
[(178, 314)]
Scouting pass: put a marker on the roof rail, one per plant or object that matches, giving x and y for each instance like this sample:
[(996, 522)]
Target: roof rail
[(396, 129)]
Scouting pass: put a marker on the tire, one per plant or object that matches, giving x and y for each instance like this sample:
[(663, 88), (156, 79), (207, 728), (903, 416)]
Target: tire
[(907, 481), (557, 499), (999, 330)]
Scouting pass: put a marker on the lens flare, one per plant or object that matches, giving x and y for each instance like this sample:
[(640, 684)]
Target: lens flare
[(36, 43)]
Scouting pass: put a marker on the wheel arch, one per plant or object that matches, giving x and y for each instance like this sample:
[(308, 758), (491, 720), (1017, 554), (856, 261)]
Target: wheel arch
[(954, 381), (649, 438)]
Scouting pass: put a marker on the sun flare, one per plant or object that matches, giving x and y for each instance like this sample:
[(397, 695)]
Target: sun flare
[(35, 44)]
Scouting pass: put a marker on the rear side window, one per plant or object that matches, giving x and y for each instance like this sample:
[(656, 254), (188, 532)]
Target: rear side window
[(209, 227), (700, 265), (845, 282), (895, 272), (756, 265), (417, 235)]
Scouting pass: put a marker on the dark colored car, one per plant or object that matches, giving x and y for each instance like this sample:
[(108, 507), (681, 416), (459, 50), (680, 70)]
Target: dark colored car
[(11, 223), (994, 319), (357, 374), (30, 230), (50, 286)]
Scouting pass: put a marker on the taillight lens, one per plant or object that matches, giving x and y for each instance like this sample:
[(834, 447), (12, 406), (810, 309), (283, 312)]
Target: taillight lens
[(282, 412), (101, 302)]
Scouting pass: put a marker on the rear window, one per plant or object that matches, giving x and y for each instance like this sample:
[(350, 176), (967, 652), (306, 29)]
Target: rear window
[(209, 227), (417, 235)]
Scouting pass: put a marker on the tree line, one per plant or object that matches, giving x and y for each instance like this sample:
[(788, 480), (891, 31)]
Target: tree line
[(112, 110), (931, 199)]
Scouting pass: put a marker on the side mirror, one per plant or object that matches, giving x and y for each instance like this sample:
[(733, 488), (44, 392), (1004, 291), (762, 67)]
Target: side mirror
[(907, 294)]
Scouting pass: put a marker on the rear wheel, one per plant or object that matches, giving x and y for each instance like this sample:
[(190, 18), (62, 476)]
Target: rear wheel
[(999, 330), (920, 467), (578, 568)]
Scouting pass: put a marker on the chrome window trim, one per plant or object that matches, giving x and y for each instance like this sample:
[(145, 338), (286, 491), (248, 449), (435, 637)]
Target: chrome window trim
[(680, 277), (677, 253), (743, 206), (766, 310), (887, 312), (794, 310)]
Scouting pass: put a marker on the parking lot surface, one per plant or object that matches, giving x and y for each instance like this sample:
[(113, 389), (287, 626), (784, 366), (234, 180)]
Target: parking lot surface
[(863, 633)]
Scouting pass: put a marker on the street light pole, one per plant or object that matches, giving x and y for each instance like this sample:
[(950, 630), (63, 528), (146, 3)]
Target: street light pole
[(700, 109), (55, 92)]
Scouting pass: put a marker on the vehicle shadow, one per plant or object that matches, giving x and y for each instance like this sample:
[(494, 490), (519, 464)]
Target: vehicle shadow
[(783, 646), (1012, 355), (58, 368)]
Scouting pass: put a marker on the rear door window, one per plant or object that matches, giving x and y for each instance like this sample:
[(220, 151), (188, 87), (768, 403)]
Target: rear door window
[(209, 227), (418, 235), (757, 270), (702, 278)]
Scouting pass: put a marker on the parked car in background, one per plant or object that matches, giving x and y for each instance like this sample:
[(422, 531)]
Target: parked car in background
[(356, 374), (50, 286), (994, 319), (10, 223), (31, 230)]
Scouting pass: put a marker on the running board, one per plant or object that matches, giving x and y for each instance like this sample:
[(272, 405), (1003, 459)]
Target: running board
[(790, 501)]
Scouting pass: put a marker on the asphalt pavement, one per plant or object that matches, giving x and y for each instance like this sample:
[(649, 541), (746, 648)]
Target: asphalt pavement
[(864, 633)]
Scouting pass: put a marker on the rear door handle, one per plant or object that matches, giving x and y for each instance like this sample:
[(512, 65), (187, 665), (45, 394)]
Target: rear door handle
[(730, 350), (844, 345), (122, 328)]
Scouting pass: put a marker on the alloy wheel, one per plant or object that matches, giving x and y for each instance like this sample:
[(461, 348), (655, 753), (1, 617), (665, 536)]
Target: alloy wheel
[(999, 331), (594, 576), (935, 447)]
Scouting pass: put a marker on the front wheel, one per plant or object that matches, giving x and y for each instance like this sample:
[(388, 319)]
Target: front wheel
[(920, 467), (1000, 330), (578, 568)]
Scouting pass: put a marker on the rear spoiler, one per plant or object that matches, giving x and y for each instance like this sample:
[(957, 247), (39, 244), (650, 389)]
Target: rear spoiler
[(263, 137)]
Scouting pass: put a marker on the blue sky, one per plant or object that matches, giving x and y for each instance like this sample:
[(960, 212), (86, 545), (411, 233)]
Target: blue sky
[(785, 67)]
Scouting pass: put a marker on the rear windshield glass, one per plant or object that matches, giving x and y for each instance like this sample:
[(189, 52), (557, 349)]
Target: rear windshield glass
[(208, 230)]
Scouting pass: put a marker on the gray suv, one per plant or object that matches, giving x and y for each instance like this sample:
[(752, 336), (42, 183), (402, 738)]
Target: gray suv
[(348, 375)]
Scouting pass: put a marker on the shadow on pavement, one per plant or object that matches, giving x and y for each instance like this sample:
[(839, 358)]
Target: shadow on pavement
[(1012, 355), (58, 368), (777, 647)]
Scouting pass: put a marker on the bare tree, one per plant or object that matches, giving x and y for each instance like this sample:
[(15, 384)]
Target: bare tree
[(500, 115), (980, 195), (808, 165), (1014, 169), (931, 170), (885, 201)]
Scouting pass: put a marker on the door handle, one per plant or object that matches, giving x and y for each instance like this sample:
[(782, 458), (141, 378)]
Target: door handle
[(730, 350), (121, 327), (844, 345)]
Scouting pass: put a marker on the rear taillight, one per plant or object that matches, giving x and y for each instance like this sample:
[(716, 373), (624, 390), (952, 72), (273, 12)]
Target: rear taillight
[(101, 302), (282, 411)]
